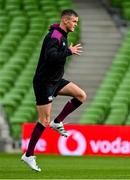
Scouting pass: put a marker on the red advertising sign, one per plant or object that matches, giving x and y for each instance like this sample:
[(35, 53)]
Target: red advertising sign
[(83, 140)]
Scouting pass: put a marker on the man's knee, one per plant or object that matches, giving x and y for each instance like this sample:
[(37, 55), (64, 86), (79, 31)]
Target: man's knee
[(44, 120), (44, 114), (82, 96)]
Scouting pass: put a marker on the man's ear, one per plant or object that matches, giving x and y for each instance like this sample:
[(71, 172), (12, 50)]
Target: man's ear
[(65, 19)]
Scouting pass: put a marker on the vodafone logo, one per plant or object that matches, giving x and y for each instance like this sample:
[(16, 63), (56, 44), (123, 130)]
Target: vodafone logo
[(116, 146), (75, 144)]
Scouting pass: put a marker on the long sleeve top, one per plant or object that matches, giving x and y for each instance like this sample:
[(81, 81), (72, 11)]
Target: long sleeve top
[(53, 55)]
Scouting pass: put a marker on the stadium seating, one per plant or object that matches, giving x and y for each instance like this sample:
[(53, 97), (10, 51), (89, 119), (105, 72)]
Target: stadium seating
[(111, 102), (23, 24), (124, 7)]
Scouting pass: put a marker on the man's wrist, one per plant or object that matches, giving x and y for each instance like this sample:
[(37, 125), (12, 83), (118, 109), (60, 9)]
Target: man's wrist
[(69, 51)]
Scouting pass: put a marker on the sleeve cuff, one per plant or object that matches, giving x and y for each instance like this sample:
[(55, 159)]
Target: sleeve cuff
[(69, 52)]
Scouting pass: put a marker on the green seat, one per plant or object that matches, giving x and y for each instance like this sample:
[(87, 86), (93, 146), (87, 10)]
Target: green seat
[(128, 120), (97, 112), (117, 105), (16, 131), (103, 99), (116, 3), (9, 106), (22, 85), (28, 102), (90, 119), (115, 120), (19, 91), (7, 49), (21, 117), (1, 4), (18, 61), (121, 99), (31, 7), (4, 56), (50, 14), (27, 109), (9, 72), (7, 79), (126, 10), (13, 97), (3, 90), (23, 55), (63, 4), (12, 7), (107, 86), (47, 3), (117, 115)]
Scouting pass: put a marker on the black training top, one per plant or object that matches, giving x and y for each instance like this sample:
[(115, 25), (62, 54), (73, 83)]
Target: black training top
[(53, 55)]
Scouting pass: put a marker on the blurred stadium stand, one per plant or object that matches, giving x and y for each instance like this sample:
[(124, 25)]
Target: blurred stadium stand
[(111, 102), (23, 24), (123, 7)]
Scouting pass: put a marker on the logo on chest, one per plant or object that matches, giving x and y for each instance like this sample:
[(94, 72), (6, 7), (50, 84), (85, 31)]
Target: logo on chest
[(64, 44)]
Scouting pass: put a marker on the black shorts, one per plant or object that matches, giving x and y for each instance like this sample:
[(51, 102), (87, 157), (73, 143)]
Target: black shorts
[(45, 93)]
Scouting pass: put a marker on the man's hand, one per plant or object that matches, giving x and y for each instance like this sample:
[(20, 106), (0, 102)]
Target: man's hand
[(76, 49)]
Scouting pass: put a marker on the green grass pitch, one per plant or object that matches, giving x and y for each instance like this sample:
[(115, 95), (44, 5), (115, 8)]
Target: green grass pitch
[(65, 167)]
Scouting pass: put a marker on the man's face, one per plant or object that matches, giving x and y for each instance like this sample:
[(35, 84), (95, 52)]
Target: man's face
[(71, 23)]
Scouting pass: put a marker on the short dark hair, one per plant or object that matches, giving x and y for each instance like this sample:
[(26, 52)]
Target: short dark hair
[(69, 12)]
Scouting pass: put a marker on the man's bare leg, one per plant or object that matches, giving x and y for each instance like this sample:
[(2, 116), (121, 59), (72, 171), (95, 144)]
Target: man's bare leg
[(43, 120), (44, 112), (79, 96)]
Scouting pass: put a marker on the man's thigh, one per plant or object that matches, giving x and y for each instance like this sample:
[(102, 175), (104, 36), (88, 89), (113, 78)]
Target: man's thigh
[(71, 89)]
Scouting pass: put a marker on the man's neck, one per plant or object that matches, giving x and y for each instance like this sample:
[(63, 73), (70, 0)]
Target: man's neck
[(63, 27)]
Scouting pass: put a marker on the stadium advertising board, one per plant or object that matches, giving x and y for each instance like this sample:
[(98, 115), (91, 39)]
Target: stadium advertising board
[(83, 140)]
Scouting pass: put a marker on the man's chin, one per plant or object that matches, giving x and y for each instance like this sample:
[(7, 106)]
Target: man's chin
[(71, 30)]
